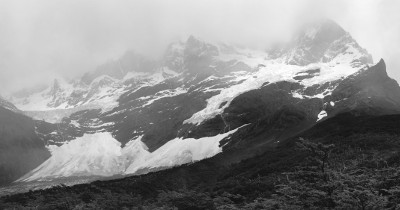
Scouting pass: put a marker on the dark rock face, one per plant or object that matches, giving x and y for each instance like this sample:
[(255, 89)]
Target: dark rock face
[(346, 124), (273, 114), (370, 92), (21, 150)]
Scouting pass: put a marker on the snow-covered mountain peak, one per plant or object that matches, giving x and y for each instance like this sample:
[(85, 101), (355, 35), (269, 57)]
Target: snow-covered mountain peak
[(196, 56), (119, 68), (197, 48), (55, 88), (192, 48), (322, 41), (173, 57), (324, 30), (58, 92), (58, 85)]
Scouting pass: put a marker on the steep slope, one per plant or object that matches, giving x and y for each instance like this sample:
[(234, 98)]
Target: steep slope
[(370, 91), (21, 150), (8, 105)]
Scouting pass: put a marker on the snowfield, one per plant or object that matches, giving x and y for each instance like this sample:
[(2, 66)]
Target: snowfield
[(322, 115), (100, 154), (272, 72), (91, 154)]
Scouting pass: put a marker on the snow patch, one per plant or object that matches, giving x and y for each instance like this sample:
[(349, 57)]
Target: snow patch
[(75, 123), (296, 94), (163, 94), (91, 154), (180, 151), (322, 115)]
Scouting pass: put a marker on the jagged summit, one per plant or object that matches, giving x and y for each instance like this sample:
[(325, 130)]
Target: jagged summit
[(323, 41), (56, 88), (325, 30), (119, 68), (199, 49), (380, 68), (173, 56)]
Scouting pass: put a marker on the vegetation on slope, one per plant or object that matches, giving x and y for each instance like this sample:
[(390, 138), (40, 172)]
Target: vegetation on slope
[(356, 166)]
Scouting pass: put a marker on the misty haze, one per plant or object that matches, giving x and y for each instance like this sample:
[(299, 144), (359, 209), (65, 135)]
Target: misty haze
[(178, 104)]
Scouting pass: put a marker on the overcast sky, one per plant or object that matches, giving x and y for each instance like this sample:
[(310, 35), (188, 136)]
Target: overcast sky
[(42, 39)]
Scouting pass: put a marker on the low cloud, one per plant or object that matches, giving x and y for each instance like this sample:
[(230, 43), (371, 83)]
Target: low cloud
[(42, 39)]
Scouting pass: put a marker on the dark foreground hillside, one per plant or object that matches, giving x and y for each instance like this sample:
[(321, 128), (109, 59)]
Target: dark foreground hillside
[(21, 150), (346, 162)]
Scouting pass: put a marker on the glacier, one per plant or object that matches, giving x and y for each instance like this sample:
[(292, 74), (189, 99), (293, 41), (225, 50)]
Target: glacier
[(100, 154)]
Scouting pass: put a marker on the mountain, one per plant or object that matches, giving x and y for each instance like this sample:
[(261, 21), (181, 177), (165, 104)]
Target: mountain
[(324, 41), (135, 115), (118, 69)]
